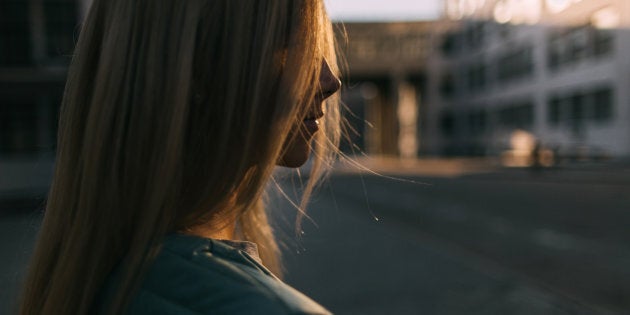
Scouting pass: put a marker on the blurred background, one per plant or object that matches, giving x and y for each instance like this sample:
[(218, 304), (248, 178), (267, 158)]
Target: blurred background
[(488, 167)]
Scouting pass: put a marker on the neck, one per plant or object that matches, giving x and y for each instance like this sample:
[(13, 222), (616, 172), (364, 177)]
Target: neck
[(221, 227), (209, 231)]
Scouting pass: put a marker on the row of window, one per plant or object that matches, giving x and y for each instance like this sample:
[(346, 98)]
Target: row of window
[(515, 64), (24, 25), (573, 41), (565, 47), (478, 121), (572, 45), (580, 106), (512, 65), (570, 109), (471, 36)]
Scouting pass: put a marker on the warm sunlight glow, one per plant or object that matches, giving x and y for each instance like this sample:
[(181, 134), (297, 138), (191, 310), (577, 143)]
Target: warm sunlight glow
[(517, 11), (457, 9), (523, 144), (606, 18), (522, 141), (556, 6), (407, 117), (453, 11), (502, 13)]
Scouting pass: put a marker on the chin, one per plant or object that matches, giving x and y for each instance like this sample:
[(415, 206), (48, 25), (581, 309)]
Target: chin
[(296, 156), (292, 164)]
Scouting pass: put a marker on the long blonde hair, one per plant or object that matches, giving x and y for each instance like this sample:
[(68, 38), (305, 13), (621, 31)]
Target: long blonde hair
[(173, 111)]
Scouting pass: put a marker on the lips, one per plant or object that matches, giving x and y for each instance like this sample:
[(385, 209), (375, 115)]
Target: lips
[(311, 122)]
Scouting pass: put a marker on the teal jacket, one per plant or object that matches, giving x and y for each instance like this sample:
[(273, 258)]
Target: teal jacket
[(194, 275)]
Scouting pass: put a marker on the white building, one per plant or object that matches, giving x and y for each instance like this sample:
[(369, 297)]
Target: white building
[(556, 69)]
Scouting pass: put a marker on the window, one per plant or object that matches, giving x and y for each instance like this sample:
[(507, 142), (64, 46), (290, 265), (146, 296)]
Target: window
[(578, 41), (581, 106), (570, 45), (520, 115), (553, 114), (602, 104), (15, 38), (516, 64), (577, 112), (447, 123), (602, 42), (524, 115), (18, 128), (474, 35), (61, 22), (447, 86), (449, 44), (477, 121), (476, 77)]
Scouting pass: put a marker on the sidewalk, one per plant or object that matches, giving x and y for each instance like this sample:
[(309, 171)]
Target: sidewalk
[(614, 172), (430, 167)]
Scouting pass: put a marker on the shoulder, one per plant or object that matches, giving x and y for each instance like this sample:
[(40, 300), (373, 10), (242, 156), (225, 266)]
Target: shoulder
[(201, 276)]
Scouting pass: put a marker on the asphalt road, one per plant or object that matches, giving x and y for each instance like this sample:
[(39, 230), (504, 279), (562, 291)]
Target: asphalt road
[(504, 242), (507, 242)]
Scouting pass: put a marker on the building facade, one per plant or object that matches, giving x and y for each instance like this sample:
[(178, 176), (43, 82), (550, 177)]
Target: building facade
[(36, 42), (471, 84), (384, 85), (556, 70)]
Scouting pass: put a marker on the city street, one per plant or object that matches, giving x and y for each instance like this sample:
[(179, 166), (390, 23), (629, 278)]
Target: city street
[(485, 242), (484, 152)]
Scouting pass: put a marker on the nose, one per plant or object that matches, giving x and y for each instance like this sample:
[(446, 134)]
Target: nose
[(329, 83)]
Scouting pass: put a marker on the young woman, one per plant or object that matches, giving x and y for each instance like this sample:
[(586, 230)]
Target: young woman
[(174, 116)]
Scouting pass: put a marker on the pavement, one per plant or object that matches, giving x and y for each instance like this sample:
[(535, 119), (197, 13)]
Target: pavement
[(430, 167), (353, 263), (466, 237), (610, 171), (435, 236)]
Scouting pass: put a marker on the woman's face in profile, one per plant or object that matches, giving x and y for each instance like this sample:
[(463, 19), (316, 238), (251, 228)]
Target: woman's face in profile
[(298, 148)]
